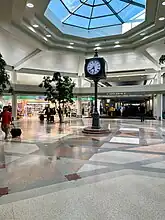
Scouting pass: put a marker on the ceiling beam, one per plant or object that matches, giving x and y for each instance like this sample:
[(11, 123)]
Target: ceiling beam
[(20, 64), (114, 12), (134, 3), (45, 72), (150, 58)]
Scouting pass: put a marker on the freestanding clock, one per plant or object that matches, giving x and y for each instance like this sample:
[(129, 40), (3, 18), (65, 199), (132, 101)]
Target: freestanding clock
[(95, 70)]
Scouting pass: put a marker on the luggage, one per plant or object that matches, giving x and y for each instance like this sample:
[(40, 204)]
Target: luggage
[(52, 118), (41, 117), (15, 132)]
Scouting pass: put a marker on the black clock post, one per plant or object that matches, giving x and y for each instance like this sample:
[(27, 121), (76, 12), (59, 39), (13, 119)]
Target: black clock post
[(95, 115), (95, 70)]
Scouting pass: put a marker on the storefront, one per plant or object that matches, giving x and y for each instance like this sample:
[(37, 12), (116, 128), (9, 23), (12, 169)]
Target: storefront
[(26, 105)]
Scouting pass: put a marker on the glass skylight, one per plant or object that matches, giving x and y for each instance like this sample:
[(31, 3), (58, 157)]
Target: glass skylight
[(95, 18)]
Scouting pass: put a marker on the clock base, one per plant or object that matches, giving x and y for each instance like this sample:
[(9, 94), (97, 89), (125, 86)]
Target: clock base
[(90, 130)]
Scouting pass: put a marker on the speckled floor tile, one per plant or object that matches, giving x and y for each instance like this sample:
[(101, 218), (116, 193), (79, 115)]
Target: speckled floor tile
[(121, 157), (127, 197), (21, 148), (125, 140), (90, 167), (152, 148), (6, 212)]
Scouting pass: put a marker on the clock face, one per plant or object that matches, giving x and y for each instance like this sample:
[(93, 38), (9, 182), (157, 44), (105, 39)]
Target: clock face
[(93, 67)]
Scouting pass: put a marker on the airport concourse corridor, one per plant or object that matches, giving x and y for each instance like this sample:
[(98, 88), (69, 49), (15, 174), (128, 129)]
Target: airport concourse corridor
[(57, 173)]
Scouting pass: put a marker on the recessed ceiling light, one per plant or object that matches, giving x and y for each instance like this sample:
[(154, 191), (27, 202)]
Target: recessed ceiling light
[(117, 42), (35, 25), (163, 3), (96, 45), (45, 38), (116, 46), (70, 47), (144, 38), (32, 29), (161, 18), (97, 48), (142, 34), (30, 5), (71, 43), (48, 35)]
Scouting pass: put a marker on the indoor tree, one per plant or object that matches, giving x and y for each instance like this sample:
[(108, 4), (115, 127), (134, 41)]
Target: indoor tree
[(162, 59), (58, 89), (5, 84)]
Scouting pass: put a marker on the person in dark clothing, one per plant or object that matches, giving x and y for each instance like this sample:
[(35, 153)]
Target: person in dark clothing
[(142, 112)]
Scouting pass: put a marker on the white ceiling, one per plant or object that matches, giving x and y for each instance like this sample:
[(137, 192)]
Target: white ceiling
[(13, 49), (18, 47)]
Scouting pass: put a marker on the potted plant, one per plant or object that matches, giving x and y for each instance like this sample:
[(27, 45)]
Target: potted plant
[(162, 59), (5, 84), (58, 89)]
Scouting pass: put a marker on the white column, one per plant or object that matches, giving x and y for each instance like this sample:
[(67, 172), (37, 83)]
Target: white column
[(159, 102), (80, 79), (159, 106), (79, 105), (14, 77), (14, 106)]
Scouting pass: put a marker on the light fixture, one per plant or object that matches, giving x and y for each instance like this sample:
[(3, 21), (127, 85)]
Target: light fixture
[(117, 46), (35, 25), (48, 35), (97, 48), (30, 5), (117, 42), (163, 3), (97, 45), (71, 43), (45, 38), (32, 29), (142, 34), (144, 38), (70, 47), (161, 18)]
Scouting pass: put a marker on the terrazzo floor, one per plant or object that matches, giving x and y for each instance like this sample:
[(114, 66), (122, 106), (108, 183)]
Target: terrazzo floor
[(57, 172)]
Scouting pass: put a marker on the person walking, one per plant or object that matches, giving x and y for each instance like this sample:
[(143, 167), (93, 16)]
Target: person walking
[(142, 112), (6, 120)]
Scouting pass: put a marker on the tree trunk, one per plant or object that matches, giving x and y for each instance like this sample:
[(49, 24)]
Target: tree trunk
[(60, 114)]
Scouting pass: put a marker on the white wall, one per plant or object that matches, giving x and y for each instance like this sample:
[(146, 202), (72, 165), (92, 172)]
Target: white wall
[(55, 61), (29, 79), (36, 79), (126, 61), (12, 49)]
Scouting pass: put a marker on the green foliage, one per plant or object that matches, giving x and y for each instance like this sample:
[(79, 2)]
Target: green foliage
[(58, 88), (4, 77), (162, 59)]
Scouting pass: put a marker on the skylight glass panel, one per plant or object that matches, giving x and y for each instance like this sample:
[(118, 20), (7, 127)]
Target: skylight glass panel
[(58, 6), (118, 5), (77, 21), (129, 12), (84, 10), (140, 1), (102, 10), (99, 2), (104, 21), (95, 14), (71, 4)]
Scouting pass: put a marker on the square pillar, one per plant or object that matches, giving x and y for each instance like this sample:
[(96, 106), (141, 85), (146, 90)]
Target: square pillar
[(14, 106)]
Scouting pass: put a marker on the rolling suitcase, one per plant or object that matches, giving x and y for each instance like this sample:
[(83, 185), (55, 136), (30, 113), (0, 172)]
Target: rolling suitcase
[(52, 118), (15, 132)]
